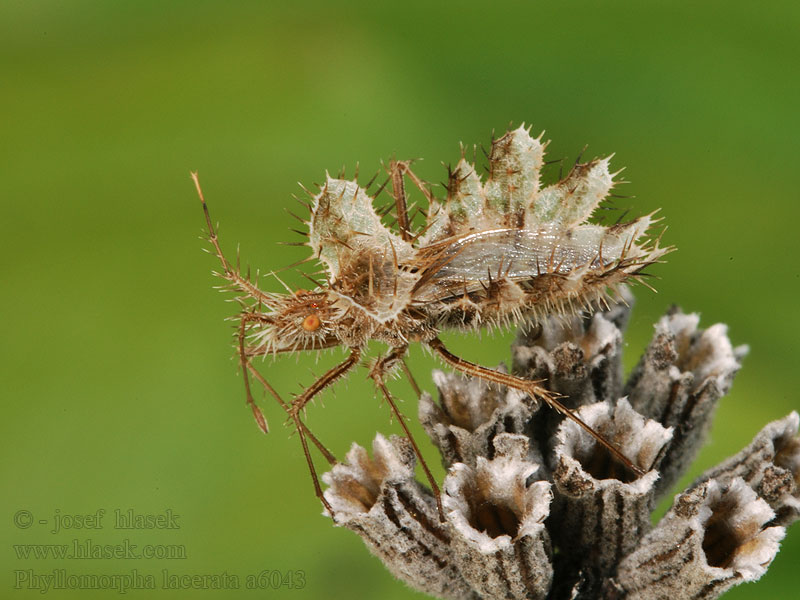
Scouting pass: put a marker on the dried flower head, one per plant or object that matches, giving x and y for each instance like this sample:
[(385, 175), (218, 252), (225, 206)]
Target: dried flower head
[(536, 508)]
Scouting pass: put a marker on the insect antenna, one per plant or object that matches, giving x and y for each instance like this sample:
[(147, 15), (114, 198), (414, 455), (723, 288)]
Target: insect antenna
[(229, 273), (261, 421), (212, 233)]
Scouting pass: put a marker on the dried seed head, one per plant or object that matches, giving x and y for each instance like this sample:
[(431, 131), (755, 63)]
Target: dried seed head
[(380, 500), (497, 516), (596, 499), (771, 467), (714, 537), (684, 373), (637, 437)]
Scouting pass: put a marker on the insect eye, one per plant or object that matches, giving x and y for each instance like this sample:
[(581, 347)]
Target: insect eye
[(311, 323)]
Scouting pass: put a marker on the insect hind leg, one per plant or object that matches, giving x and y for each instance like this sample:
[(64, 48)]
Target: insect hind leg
[(299, 404), (378, 374), (533, 389)]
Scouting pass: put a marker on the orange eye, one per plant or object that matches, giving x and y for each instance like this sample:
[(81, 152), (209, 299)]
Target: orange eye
[(311, 323)]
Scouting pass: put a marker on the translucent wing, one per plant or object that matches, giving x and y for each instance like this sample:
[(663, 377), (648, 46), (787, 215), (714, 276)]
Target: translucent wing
[(465, 264)]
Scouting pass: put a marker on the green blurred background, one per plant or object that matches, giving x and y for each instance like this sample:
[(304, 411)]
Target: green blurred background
[(119, 388)]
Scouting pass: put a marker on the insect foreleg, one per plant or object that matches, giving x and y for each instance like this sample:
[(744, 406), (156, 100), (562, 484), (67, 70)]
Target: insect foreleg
[(299, 403), (248, 352), (533, 389), (377, 373), (245, 363), (410, 376), (263, 381)]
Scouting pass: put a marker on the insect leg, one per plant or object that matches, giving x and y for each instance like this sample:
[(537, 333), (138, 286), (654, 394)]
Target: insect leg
[(262, 380), (418, 182), (396, 171), (377, 374), (299, 403), (410, 376), (245, 353), (533, 389), (246, 318)]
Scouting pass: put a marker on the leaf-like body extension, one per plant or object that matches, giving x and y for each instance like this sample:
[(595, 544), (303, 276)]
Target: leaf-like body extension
[(573, 199), (343, 221), (463, 211), (514, 165)]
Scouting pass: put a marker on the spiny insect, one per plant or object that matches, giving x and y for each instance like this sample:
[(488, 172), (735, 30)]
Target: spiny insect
[(492, 253)]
